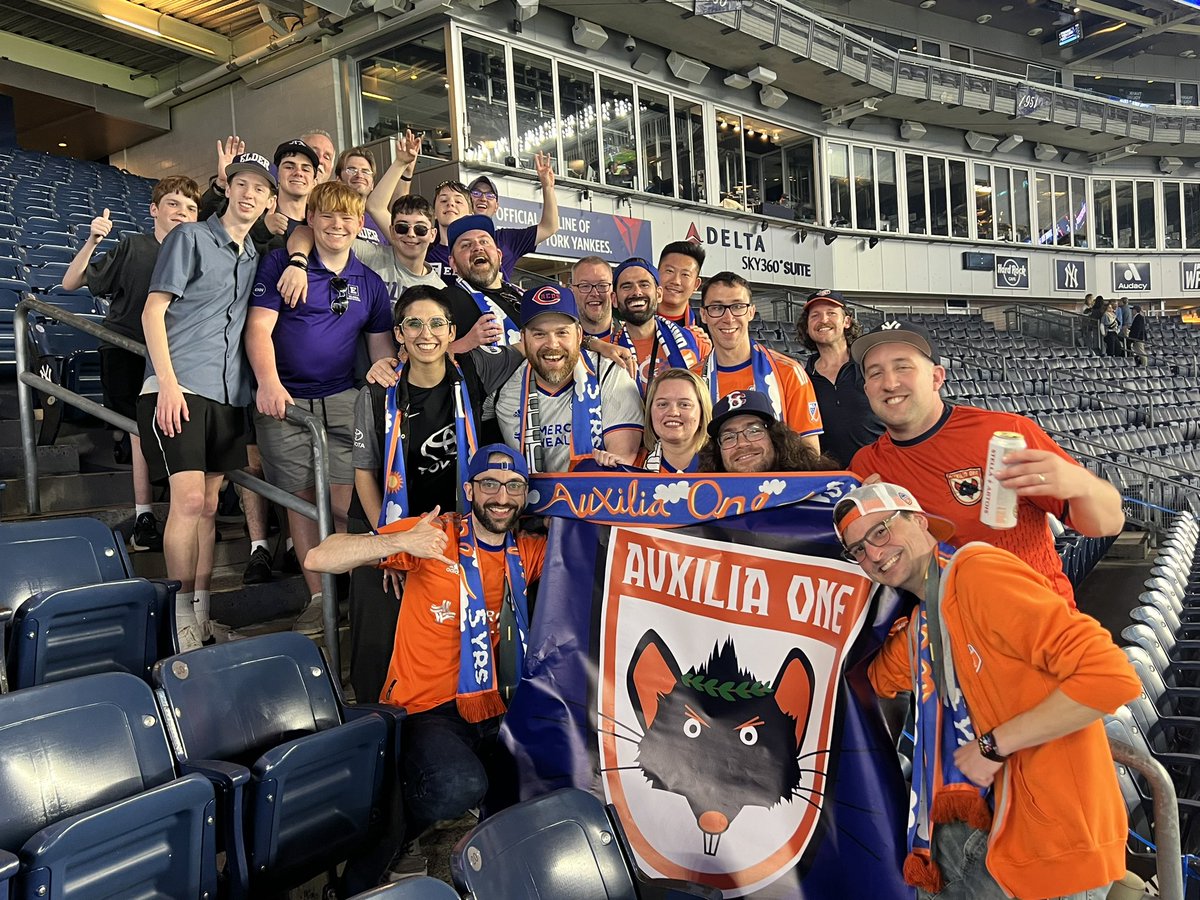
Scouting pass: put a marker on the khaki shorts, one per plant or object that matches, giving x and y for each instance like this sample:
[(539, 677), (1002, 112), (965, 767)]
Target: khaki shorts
[(287, 448)]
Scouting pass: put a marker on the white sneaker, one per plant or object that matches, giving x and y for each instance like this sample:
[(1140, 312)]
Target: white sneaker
[(311, 621), (190, 637)]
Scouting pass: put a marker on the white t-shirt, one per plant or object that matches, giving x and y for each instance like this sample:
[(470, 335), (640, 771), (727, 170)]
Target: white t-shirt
[(382, 259)]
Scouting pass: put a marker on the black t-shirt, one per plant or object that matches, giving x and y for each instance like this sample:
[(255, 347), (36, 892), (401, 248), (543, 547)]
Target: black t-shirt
[(123, 276), (845, 411), (432, 462), (465, 311)]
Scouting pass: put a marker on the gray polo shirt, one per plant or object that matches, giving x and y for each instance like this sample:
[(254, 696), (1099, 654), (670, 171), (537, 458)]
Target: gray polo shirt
[(200, 267)]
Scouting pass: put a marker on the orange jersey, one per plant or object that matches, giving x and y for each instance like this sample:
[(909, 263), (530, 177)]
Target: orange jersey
[(800, 408), (424, 669), (944, 469)]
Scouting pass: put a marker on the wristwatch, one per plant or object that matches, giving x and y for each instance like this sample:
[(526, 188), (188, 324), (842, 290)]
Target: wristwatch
[(987, 746)]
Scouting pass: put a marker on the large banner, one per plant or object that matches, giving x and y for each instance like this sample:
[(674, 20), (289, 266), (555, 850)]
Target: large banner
[(696, 659)]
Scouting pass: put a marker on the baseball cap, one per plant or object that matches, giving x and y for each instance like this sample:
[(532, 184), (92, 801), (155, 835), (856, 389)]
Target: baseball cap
[(823, 295), (294, 146), (547, 298), (483, 179), (884, 497), (480, 461), (895, 332), (636, 262), (254, 163), (459, 227), (741, 403)]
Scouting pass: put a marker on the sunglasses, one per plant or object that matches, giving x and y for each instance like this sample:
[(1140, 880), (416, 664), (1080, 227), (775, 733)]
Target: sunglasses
[(341, 296), (403, 228)]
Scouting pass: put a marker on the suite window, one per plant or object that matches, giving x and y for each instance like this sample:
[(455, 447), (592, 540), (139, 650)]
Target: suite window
[(1124, 205), (1146, 216), (1079, 212), (1102, 208), (1043, 192), (885, 182), (689, 151), (914, 178), (616, 133), (838, 165), (485, 90), (1002, 203), (985, 218), (533, 91), (767, 168), (578, 124), (1172, 216), (801, 178), (731, 164), (939, 213), (406, 87), (654, 126), (864, 188), (1062, 211), (1191, 215), (1020, 189)]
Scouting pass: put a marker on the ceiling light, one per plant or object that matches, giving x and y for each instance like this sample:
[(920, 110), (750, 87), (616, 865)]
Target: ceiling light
[(375, 96), (154, 32), (63, 144), (1007, 7), (928, 4), (984, 19), (1034, 32)]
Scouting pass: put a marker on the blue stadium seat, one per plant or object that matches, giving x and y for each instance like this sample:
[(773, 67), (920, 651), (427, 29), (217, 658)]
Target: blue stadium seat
[(46, 277), (421, 888), (304, 780), (48, 554), (12, 267), (80, 301), (563, 844), (92, 807), (114, 626), (35, 256), (65, 356)]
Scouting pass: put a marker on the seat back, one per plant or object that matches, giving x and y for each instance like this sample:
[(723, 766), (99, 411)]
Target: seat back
[(1148, 674), (559, 845), (233, 701), (49, 554), (115, 626), (1143, 635), (423, 888)]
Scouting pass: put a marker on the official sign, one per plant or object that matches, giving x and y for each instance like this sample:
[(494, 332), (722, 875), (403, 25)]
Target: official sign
[(1069, 275), (1030, 100), (1189, 275), (582, 232), (1012, 272), (1131, 277)]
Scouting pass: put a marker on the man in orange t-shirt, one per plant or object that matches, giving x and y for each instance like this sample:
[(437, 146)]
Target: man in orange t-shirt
[(939, 452), (738, 363), (467, 579)]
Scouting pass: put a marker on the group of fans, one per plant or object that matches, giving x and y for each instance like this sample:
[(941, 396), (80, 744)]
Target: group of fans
[(302, 263)]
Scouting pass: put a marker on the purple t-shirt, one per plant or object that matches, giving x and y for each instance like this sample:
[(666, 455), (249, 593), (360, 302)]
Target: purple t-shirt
[(314, 347), (372, 233), (513, 243)]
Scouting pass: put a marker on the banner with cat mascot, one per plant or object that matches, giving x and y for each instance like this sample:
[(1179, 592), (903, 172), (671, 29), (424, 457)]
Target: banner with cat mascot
[(696, 659)]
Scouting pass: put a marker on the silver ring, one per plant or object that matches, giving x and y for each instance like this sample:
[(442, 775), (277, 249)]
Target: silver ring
[(1041, 477)]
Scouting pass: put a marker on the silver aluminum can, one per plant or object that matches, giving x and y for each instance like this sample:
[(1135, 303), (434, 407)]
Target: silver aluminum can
[(999, 506)]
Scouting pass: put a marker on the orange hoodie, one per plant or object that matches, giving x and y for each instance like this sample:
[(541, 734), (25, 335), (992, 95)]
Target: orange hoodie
[(1060, 824)]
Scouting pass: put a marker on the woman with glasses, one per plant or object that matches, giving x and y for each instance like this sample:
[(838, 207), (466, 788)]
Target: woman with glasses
[(746, 437)]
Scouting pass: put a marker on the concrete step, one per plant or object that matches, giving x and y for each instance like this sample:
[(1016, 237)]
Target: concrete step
[(58, 459), (1130, 545), (66, 494)]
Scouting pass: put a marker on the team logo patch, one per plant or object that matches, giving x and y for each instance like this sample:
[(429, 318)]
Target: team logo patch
[(441, 611), (966, 485), (737, 399), (547, 296), (814, 411)]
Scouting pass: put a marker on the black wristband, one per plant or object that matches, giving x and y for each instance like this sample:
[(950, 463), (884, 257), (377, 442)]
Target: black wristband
[(406, 178), (988, 748), (298, 264), (299, 253)]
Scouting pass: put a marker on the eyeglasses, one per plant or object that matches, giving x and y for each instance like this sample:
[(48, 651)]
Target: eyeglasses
[(402, 228), (490, 486), (483, 195), (876, 537), (752, 433), (587, 287), (341, 296), (438, 326), (355, 170), (719, 309)]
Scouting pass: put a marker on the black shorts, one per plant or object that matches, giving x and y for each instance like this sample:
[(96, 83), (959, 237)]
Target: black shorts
[(122, 375), (213, 439)]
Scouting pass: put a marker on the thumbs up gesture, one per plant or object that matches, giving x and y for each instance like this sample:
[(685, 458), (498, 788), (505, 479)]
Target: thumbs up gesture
[(101, 226)]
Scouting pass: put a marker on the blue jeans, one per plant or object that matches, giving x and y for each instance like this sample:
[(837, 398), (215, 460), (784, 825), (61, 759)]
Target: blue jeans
[(961, 853)]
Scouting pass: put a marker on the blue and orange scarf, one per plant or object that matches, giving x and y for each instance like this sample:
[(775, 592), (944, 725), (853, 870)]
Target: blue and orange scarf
[(587, 427), (679, 344), (766, 377)]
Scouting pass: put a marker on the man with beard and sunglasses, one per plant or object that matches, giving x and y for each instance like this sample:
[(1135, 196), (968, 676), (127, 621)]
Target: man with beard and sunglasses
[(304, 355), (460, 636)]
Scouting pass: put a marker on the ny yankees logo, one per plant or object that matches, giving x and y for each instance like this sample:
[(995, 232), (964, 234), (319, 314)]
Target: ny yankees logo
[(890, 326)]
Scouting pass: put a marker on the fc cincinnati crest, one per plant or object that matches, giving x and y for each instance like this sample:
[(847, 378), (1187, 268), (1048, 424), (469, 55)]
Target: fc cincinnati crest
[(966, 485), (547, 296)]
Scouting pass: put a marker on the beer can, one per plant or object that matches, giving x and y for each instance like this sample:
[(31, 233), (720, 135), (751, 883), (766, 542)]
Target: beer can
[(998, 508)]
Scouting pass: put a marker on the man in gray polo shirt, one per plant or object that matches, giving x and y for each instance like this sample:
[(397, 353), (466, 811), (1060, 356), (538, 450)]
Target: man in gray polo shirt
[(190, 412)]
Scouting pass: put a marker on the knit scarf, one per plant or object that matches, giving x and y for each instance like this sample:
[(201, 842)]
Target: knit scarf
[(940, 792), (510, 331), (395, 479), (675, 340), (766, 378), (478, 694), (587, 428)]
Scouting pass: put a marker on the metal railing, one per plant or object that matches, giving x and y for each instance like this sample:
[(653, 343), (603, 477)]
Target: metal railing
[(1167, 839), (27, 381), (1070, 329)]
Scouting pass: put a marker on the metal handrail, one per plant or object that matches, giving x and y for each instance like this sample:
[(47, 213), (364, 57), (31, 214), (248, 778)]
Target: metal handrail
[(26, 381), (1168, 844)]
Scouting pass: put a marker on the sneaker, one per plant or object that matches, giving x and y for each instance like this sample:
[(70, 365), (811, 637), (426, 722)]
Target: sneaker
[(258, 569), (311, 621), (214, 632), (408, 863), (190, 637), (145, 533), (291, 565)]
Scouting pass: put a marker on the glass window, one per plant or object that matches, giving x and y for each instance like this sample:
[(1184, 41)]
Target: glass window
[(800, 160), (939, 219), (616, 133), (1002, 203), (1020, 190), (838, 163), (1189, 94), (406, 87), (654, 126), (1146, 215), (731, 171), (1103, 212), (485, 86), (985, 223), (960, 212), (1191, 214), (1172, 216), (864, 189), (577, 106), (1045, 207), (1124, 204), (1079, 213), (1062, 211), (885, 180), (914, 174), (689, 151), (764, 145), (533, 90)]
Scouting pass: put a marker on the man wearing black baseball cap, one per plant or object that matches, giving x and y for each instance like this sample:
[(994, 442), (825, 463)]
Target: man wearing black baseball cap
[(939, 452)]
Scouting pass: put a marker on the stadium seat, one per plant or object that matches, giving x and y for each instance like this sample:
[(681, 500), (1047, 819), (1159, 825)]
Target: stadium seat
[(302, 778), (421, 888), (48, 276), (49, 554), (563, 844), (49, 253), (92, 806), (68, 357), (115, 626)]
